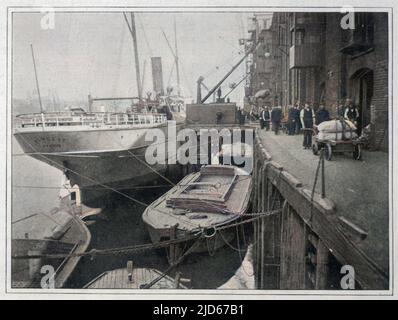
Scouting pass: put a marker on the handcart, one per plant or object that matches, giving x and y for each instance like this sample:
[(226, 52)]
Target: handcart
[(353, 146)]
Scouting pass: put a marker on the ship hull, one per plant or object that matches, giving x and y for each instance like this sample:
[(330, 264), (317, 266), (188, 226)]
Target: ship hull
[(102, 158)]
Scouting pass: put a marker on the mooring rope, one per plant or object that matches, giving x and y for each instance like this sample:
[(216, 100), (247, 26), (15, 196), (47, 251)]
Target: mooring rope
[(142, 247)]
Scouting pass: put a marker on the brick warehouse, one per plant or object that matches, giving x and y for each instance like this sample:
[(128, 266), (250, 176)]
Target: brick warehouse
[(309, 57)]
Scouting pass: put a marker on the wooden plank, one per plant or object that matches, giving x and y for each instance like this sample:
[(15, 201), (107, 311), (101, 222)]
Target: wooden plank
[(276, 165), (291, 180), (262, 201), (255, 245), (217, 170), (271, 239), (258, 209), (356, 232), (173, 247), (255, 223), (256, 188), (313, 240), (262, 253)]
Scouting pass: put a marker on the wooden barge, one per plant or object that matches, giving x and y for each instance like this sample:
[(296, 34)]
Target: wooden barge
[(215, 196)]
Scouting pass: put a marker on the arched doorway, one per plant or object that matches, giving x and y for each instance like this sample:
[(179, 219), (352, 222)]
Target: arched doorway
[(361, 85)]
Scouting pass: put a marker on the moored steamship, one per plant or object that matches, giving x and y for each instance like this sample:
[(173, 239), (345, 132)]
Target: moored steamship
[(93, 148), (103, 149)]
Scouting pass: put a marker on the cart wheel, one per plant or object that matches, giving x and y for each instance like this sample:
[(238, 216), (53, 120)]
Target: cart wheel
[(357, 154), (328, 152), (315, 149)]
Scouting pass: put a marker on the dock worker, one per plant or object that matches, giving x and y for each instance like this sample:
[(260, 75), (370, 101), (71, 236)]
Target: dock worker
[(296, 115), (219, 93), (241, 116), (291, 120), (260, 119), (276, 117), (351, 112), (307, 117), (253, 116), (265, 118), (322, 114)]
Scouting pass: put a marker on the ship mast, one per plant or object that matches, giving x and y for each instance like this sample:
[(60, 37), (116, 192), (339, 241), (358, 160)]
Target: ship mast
[(37, 81), (174, 52), (176, 59), (133, 33)]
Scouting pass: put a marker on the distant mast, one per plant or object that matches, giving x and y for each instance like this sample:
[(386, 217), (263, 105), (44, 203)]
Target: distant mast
[(174, 52), (37, 81), (176, 59)]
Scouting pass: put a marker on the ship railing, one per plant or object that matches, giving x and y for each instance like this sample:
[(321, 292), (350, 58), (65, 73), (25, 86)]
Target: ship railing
[(89, 119)]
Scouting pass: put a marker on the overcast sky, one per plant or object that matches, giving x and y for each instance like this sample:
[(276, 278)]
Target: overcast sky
[(93, 53)]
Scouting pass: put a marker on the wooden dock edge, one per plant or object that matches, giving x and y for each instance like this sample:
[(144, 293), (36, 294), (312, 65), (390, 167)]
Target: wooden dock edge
[(318, 215)]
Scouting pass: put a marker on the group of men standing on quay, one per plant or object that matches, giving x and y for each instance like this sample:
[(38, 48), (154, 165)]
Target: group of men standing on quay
[(303, 118)]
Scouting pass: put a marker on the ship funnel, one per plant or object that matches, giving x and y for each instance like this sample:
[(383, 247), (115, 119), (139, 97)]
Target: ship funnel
[(157, 75)]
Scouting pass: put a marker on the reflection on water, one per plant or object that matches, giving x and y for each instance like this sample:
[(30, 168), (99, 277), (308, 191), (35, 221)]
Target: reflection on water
[(35, 189)]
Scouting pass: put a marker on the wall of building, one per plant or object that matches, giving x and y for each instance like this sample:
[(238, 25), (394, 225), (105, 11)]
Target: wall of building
[(324, 69)]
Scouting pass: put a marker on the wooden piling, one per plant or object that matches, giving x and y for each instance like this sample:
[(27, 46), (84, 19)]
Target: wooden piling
[(130, 271), (293, 251), (177, 280), (322, 266), (174, 249)]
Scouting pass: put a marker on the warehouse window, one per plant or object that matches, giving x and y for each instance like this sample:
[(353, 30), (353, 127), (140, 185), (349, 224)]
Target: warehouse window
[(361, 38), (299, 37)]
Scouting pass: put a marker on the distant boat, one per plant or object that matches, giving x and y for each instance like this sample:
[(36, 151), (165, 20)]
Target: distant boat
[(135, 278), (216, 196)]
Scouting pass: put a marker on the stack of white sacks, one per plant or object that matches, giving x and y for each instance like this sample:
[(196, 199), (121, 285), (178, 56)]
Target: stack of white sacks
[(334, 130)]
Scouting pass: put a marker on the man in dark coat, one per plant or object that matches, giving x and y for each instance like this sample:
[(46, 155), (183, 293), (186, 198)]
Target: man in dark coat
[(261, 119), (291, 120), (351, 112), (265, 117), (241, 116), (342, 108), (253, 116), (296, 115), (276, 117), (307, 117), (322, 114)]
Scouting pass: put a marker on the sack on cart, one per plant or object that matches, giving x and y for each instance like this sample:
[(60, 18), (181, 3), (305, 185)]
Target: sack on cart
[(336, 130)]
